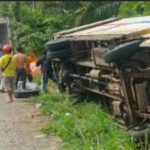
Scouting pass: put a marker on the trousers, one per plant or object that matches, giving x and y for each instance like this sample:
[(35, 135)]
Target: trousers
[(21, 75)]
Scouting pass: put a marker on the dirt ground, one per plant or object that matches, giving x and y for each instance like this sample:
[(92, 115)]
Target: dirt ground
[(20, 127)]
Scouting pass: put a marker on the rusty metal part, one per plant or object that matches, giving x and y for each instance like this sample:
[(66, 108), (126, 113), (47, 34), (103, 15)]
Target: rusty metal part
[(96, 91), (90, 64), (95, 74), (128, 94), (142, 69), (102, 93), (86, 64), (100, 61), (145, 75), (116, 108), (110, 78), (141, 96), (87, 78), (143, 115), (113, 88)]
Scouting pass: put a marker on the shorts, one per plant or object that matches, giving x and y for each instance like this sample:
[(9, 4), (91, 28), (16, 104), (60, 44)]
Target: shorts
[(0, 75), (9, 84)]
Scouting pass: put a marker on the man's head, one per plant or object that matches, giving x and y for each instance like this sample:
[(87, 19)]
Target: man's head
[(19, 49), (7, 49)]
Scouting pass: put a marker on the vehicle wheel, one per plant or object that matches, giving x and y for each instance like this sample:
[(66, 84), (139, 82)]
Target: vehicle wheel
[(25, 93), (122, 51), (58, 44), (64, 53)]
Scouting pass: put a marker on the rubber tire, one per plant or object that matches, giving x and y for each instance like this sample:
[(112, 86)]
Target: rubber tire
[(64, 53), (55, 45), (122, 51), (25, 94)]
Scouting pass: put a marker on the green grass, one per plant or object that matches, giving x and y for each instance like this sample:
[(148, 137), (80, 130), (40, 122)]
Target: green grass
[(37, 79), (51, 86), (82, 127)]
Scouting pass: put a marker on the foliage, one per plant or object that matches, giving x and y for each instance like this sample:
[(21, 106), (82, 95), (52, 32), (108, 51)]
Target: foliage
[(95, 11), (33, 23), (135, 8), (51, 86), (29, 26), (37, 79), (84, 126)]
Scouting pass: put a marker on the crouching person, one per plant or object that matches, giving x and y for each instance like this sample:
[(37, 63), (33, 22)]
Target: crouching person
[(8, 68)]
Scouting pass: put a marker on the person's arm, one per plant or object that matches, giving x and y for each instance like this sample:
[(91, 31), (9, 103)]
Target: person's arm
[(38, 62), (26, 64), (1, 63)]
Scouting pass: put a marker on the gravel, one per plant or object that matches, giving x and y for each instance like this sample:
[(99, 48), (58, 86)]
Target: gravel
[(20, 125)]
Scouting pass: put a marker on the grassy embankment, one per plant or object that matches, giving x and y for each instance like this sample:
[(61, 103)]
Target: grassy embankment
[(83, 126)]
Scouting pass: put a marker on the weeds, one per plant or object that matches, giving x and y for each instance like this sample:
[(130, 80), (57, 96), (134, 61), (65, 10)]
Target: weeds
[(37, 79), (82, 127), (51, 85)]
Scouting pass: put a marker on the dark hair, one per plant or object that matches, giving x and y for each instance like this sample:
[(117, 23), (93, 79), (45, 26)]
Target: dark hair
[(44, 52), (19, 49)]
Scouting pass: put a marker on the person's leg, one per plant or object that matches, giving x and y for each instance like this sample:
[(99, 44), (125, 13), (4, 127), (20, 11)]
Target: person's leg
[(8, 88), (1, 85), (24, 81), (12, 88), (17, 77), (43, 84), (10, 95), (23, 78)]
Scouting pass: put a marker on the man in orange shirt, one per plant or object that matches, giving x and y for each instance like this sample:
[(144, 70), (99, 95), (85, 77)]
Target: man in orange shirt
[(31, 58)]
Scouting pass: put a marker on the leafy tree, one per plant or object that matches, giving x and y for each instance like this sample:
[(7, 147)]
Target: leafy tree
[(94, 11), (33, 23), (135, 8)]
